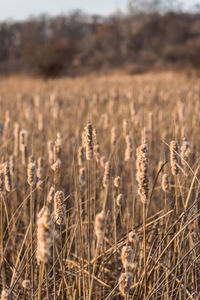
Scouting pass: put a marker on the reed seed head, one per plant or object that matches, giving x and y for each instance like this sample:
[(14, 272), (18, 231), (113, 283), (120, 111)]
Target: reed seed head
[(129, 148), (58, 147), (126, 127), (50, 197), (132, 237), (26, 284), (125, 281), (120, 200), (8, 178), (174, 157), (59, 208), (89, 141), (44, 236), (185, 151), (56, 166), (82, 177), (118, 182), (12, 164), (80, 156), (107, 173), (100, 225), (127, 257), (6, 295), (113, 136), (2, 181), (32, 173), (165, 183), (142, 177)]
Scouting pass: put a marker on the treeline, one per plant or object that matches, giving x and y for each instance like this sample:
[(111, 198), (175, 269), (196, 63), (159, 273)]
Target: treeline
[(77, 43)]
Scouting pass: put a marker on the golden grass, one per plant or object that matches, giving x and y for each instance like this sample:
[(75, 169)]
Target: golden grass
[(139, 248)]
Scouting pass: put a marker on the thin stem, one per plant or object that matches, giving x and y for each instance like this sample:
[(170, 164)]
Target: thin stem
[(144, 249), (40, 281), (89, 242), (47, 284), (94, 266), (2, 254), (62, 274), (31, 237)]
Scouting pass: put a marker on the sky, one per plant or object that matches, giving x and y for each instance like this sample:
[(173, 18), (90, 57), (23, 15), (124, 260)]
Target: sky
[(22, 9)]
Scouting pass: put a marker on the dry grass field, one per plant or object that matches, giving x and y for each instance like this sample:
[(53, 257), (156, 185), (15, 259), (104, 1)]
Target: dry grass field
[(99, 187)]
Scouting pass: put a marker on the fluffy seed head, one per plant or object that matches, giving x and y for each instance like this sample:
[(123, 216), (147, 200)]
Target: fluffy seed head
[(174, 157), (26, 284), (32, 173), (24, 152), (132, 237), (56, 166), (40, 122), (96, 146), (118, 182), (16, 138), (126, 127), (6, 295), (59, 208), (40, 185), (125, 281), (23, 138), (89, 141), (142, 165), (40, 170), (80, 156), (107, 173), (82, 177), (185, 151), (44, 235), (113, 136), (50, 197), (2, 181), (100, 225), (8, 178), (120, 200), (127, 257), (57, 147), (129, 148), (12, 164), (165, 183)]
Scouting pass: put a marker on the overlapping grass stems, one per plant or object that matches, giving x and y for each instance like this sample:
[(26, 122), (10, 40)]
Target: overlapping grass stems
[(105, 206)]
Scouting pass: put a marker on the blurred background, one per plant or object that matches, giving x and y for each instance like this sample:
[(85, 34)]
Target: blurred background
[(73, 37)]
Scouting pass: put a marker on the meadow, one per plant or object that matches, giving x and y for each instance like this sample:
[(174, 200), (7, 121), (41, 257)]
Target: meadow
[(99, 187)]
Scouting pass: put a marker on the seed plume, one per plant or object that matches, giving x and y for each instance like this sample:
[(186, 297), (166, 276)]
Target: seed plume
[(100, 225), (125, 281), (89, 141), (6, 295), (129, 148), (32, 173), (127, 257), (44, 235), (174, 157), (26, 284), (118, 182), (59, 208), (185, 151), (165, 183), (107, 173), (8, 178), (142, 165)]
